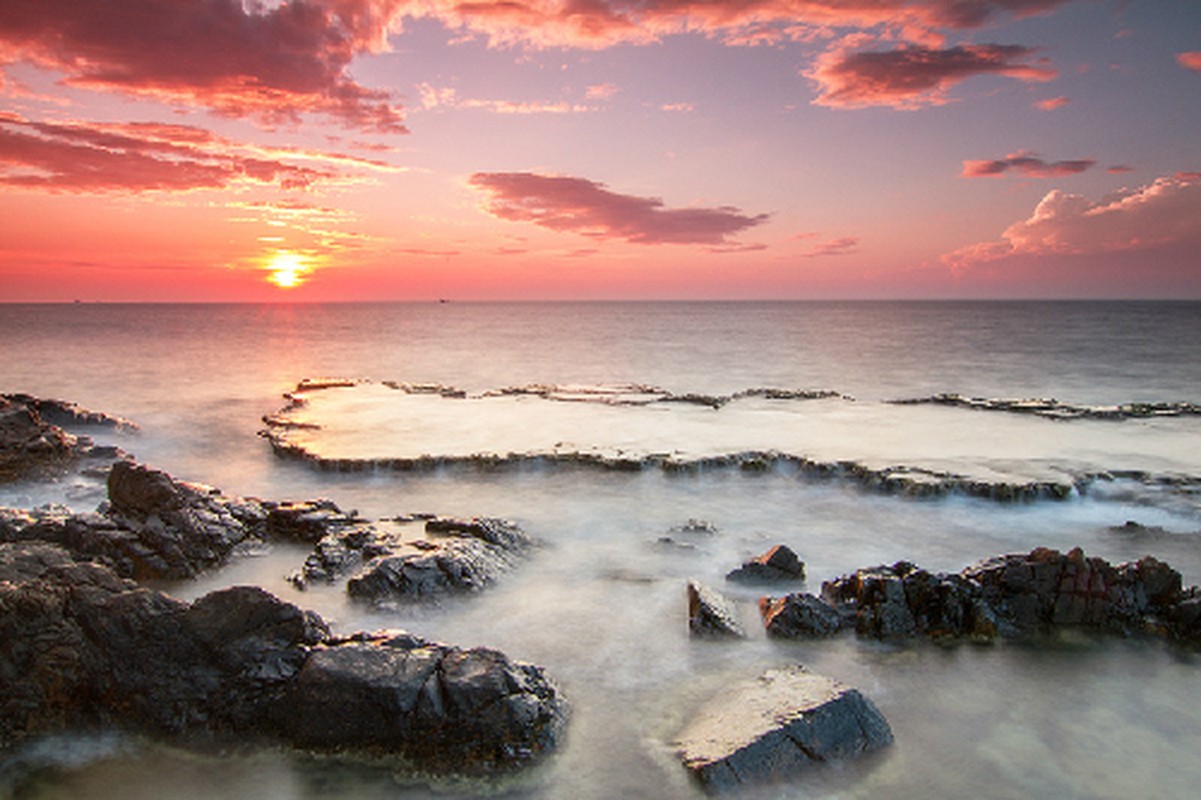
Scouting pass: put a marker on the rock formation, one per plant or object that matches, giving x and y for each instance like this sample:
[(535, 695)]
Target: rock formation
[(776, 726), (80, 646), (711, 614), (778, 564)]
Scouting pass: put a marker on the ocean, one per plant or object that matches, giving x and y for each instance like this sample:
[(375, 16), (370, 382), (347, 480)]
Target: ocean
[(527, 411)]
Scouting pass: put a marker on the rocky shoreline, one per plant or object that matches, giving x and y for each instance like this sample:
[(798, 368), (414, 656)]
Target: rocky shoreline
[(84, 644)]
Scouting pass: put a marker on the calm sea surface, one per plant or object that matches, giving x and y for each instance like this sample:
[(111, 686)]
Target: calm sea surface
[(603, 608)]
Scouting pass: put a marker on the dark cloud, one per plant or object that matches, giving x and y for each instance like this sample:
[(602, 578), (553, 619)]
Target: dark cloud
[(1028, 164), (577, 205), (914, 76)]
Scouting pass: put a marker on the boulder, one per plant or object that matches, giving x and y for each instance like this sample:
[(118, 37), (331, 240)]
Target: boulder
[(799, 615), (30, 446), (455, 556), (778, 564), (81, 647), (711, 614), (776, 726)]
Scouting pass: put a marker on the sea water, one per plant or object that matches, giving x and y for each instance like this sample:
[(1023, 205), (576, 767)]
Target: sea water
[(602, 605)]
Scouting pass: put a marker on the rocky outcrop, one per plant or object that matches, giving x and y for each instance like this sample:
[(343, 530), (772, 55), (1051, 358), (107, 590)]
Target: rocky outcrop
[(1054, 409), (776, 726), (778, 564), (387, 562), (1007, 596), (81, 647), (33, 444), (711, 614)]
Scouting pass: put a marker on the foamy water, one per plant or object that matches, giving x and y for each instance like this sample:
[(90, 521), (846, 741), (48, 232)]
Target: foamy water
[(602, 604)]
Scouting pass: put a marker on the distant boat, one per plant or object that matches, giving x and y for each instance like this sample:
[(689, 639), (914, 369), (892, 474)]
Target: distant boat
[(443, 300)]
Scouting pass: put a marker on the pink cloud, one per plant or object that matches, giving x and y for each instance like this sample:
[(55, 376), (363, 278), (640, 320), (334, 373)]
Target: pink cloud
[(1026, 163), (447, 97), (143, 156), (603, 23), (835, 247), (270, 64), (1118, 169), (1052, 103), (601, 91), (1162, 214), (915, 76), (1189, 60), (577, 205)]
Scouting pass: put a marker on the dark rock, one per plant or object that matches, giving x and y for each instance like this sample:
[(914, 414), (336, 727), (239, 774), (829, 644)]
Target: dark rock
[(457, 556), (799, 615), (711, 614), (1011, 596), (81, 647), (776, 726), (30, 446), (778, 564)]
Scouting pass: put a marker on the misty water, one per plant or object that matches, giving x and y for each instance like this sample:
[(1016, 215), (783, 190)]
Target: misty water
[(601, 605)]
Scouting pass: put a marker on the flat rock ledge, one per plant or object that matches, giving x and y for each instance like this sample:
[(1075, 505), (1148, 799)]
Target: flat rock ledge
[(1009, 596), (776, 726), (81, 647)]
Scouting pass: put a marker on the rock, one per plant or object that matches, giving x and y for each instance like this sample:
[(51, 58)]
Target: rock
[(777, 726), (30, 446), (1011, 596), (458, 556), (778, 564), (442, 707), (799, 615), (81, 647), (710, 614)]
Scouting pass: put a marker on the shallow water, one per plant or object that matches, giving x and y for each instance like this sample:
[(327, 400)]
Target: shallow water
[(601, 605)]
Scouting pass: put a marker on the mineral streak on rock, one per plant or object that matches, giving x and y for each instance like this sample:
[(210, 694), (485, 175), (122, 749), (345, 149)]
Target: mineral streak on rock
[(777, 726), (712, 614), (81, 647)]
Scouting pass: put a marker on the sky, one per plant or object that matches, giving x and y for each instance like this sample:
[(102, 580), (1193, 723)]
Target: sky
[(370, 150)]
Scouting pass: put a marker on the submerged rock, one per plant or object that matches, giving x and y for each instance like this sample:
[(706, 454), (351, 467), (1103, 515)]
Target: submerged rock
[(776, 726), (711, 614), (779, 563), (81, 647)]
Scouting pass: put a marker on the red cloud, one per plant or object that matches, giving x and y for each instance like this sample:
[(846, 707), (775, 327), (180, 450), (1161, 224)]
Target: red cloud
[(1052, 103), (603, 23), (268, 64), (95, 157), (913, 77), (1189, 60), (563, 203), (1163, 214), (1026, 163), (835, 247)]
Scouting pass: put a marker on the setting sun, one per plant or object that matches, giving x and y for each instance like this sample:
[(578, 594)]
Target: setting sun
[(288, 270)]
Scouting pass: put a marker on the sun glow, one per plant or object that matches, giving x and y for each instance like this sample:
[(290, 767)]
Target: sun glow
[(287, 269)]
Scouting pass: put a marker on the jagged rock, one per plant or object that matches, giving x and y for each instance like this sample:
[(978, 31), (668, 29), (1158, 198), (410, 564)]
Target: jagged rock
[(30, 446), (457, 556), (779, 563), (711, 614), (1015, 596), (306, 520), (799, 615), (776, 726), (81, 647)]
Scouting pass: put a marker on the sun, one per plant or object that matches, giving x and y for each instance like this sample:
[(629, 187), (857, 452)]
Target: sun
[(288, 270)]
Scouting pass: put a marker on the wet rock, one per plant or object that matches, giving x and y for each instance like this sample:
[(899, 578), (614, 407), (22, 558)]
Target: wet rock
[(456, 556), (711, 614), (81, 647), (1012, 596), (799, 615), (778, 564), (777, 726), (30, 446)]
